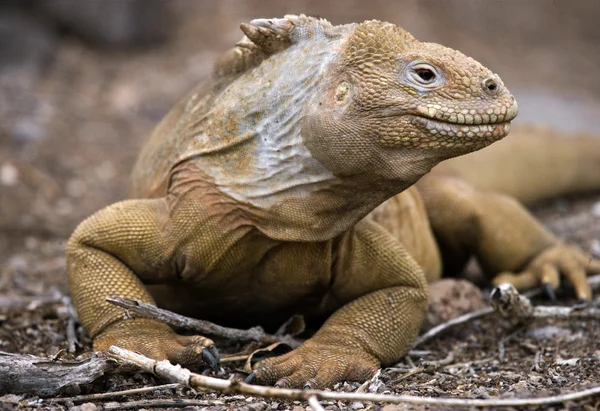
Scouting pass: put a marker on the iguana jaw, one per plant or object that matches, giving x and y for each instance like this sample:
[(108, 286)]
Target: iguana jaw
[(455, 126), (497, 112), (456, 134), (442, 125)]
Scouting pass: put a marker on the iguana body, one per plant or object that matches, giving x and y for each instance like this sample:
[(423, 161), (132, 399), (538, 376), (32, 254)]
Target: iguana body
[(257, 197)]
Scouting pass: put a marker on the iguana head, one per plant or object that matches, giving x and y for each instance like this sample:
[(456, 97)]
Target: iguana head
[(390, 99)]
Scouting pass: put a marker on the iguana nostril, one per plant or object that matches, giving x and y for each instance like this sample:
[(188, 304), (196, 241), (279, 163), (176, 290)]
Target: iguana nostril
[(490, 85)]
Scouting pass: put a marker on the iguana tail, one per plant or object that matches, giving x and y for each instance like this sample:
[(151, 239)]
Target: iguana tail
[(533, 164)]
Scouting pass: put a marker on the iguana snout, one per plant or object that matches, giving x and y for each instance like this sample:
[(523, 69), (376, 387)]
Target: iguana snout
[(458, 103)]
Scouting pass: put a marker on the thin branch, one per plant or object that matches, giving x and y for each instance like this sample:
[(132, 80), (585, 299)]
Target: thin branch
[(202, 326), (110, 395), (566, 312), (71, 336), (160, 403), (427, 366), (184, 376), (313, 401), (364, 387), (509, 302), (233, 358), (451, 323), (28, 302), (594, 281), (72, 322)]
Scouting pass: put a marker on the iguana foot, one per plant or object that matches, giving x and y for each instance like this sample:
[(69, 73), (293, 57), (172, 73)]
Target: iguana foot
[(158, 341), (545, 270), (315, 365)]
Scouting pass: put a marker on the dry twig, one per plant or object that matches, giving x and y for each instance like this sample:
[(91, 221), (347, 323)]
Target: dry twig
[(162, 402), (313, 401), (204, 327), (234, 358), (71, 336), (426, 366), (28, 302), (594, 282), (72, 320), (509, 302), (365, 386), (184, 376), (109, 395), (451, 323)]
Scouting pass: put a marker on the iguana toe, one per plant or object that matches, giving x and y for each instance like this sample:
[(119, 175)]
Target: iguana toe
[(158, 341), (316, 366), (546, 268)]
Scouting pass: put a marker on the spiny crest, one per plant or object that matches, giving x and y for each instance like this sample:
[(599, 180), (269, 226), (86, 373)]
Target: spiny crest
[(376, 43), (273, 35), (265, 37)]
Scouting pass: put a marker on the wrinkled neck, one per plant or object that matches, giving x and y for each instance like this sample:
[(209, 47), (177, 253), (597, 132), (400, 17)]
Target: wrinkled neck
[(335, 205), (323, 214), (312, 207)]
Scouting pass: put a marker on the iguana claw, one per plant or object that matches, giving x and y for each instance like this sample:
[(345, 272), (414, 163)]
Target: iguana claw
[(250, 378), (549, 291), (211, 356)]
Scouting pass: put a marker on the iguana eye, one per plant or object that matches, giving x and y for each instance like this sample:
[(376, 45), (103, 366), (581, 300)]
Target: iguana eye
[(424, 75)]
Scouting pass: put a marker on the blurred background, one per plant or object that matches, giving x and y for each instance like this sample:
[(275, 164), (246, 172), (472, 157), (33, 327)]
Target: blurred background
[(83, 82)]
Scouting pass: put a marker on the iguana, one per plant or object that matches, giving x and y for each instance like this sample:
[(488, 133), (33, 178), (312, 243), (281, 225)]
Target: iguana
[(285, 184)]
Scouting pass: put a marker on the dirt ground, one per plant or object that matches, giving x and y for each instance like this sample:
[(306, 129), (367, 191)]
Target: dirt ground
[(70, 129)]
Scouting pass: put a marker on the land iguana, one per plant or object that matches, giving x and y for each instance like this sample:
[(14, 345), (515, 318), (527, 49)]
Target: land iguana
[(285, 184)]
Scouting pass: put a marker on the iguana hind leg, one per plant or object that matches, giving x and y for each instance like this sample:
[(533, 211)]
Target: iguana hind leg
[(508, 242)]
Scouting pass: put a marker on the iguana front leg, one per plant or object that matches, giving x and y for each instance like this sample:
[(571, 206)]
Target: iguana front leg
[(508, 242), (384, 293), (110, 254)]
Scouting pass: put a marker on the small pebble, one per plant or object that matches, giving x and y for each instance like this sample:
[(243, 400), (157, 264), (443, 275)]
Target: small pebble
[(596, 209), (595, 248), (9, 175), (258, 406), (88, 406), (548, 332)]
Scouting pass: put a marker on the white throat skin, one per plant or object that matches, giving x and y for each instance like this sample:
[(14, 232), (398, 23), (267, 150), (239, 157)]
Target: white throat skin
[(250, 142)]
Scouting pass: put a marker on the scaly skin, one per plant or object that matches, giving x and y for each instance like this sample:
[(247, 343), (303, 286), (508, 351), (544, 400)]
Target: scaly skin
[(254, 199)]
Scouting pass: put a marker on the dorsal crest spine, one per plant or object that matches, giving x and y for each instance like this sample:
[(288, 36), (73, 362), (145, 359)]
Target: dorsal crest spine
[(265, 37)]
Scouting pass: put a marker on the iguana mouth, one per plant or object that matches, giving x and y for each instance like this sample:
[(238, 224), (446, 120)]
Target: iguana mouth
[(496, 114), (491, 124), (444, 128)]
